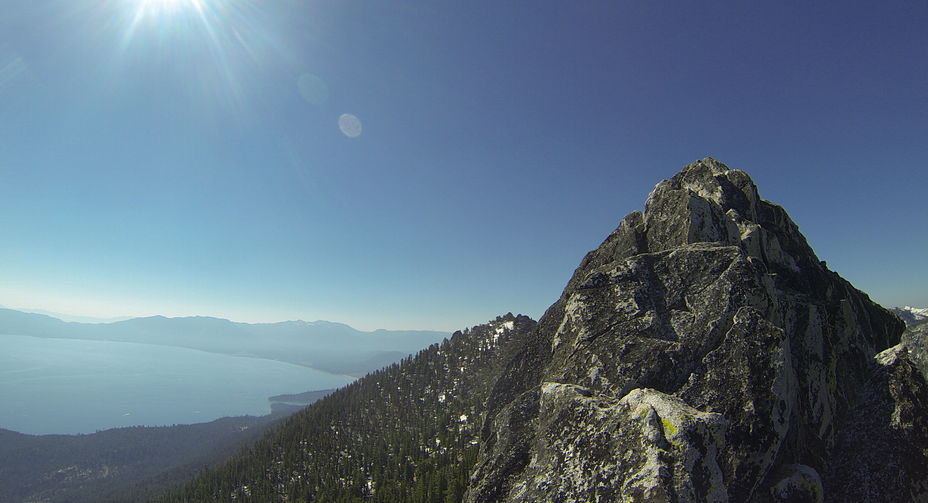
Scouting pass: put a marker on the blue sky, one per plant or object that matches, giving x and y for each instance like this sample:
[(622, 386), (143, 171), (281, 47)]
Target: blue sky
[(184, 157)]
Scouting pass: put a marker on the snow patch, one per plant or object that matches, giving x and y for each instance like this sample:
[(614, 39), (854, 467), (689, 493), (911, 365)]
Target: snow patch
[(501, 329)]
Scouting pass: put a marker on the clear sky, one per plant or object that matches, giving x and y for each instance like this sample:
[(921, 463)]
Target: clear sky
[(433, 164)]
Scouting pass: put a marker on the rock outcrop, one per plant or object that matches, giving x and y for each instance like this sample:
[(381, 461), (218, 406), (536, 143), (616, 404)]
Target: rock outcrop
[(915, 339), (704, 353)]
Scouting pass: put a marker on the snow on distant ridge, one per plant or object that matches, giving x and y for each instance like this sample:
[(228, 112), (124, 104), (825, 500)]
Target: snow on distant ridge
[(912, 315)]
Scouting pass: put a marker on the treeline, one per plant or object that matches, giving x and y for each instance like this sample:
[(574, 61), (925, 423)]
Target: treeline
[(406, 433)]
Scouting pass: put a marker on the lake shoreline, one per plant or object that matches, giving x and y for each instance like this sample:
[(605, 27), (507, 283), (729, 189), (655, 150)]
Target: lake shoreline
[(77, 386)]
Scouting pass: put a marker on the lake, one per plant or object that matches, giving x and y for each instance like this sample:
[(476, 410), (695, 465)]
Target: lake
[(82, 386)]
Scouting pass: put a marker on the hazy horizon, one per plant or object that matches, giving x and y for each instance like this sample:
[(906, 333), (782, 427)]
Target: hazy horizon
[(79, 318)]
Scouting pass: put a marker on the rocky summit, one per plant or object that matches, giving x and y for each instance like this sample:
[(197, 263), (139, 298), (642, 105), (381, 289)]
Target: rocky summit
[(704, 353)]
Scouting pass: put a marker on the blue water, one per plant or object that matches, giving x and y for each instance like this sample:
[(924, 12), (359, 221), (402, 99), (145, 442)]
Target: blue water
[(81, 386)]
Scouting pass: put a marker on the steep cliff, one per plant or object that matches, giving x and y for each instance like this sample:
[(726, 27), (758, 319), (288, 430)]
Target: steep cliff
[(704, 353), (915, 339)]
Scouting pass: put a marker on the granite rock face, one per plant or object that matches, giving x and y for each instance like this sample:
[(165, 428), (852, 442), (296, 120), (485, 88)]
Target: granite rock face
[(882, 446), (916, 340), (704, 353)]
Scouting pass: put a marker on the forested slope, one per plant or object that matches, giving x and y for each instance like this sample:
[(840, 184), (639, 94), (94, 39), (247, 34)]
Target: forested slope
[(408, 432)]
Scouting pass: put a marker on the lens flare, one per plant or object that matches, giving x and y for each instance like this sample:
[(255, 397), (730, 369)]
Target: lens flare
[(350, 125)]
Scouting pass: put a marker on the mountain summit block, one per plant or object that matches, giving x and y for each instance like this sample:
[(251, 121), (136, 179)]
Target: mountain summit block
[(704, 353)]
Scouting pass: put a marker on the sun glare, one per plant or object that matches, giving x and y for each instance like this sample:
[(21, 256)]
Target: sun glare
[(220, 33), (167, 6), (164, 3)]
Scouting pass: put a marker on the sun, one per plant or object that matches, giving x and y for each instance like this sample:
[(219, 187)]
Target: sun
[(218, 37), (171, 19), (167, 5)]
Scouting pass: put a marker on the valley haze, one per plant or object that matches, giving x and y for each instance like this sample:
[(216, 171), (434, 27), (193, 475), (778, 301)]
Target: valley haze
[(329, 346), (162, 371)]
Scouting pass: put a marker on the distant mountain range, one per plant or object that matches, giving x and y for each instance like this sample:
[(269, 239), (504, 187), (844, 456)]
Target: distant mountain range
[(911, 315), (72, 317), (133, 464), (324, 345)]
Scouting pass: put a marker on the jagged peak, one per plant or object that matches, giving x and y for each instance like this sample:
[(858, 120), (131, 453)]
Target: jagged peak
[(708, 202), (709, 180), (703, 178)]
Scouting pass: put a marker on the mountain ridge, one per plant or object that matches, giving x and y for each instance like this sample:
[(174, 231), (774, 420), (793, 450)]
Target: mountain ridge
[(68, 318), (702, 352), (329, 346)]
